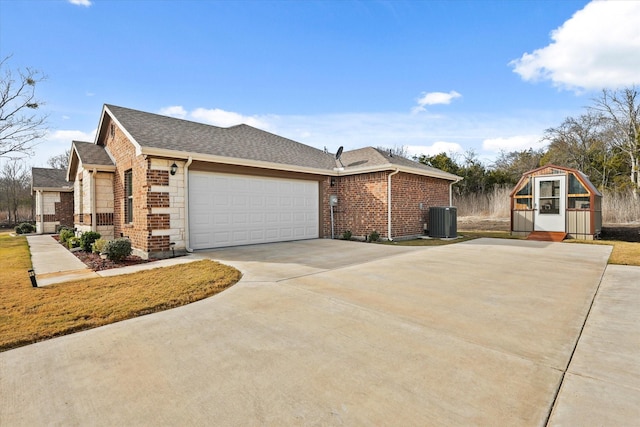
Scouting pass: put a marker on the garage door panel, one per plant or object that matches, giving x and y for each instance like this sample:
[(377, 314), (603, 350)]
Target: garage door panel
[(229, 210)]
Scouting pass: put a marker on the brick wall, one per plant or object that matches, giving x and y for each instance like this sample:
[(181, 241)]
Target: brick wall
[(158, 198), (408, 192), (361, 207), (124, 154), (64, 209), (362, 203)]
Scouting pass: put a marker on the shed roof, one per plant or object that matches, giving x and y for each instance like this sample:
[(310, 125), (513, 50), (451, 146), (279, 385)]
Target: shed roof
[(555, 170), (49, 179)]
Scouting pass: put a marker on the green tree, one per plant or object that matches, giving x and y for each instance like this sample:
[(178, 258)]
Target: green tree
[(440, 161)]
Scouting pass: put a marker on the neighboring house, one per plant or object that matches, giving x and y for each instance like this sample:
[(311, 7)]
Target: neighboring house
[(171, 184), (54, 199), (556, 199)]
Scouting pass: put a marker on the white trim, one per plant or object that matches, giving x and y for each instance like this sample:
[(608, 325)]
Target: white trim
[(187, 243), (389, 203), (122, 128)]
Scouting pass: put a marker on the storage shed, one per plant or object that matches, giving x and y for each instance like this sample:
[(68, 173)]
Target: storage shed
[(556, 199)]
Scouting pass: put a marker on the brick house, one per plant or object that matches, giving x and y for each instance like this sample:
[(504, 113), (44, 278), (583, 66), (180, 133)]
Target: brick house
[(54, 199), (174, 185)]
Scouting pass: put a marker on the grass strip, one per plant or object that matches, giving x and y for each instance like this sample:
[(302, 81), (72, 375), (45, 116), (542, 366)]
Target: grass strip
[(29, 315)]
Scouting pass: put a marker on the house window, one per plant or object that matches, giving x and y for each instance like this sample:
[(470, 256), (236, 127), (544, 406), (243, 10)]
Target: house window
[(128, 196)]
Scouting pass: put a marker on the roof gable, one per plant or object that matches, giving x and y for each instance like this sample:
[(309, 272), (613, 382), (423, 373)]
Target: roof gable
[(89, 156), (153, 131)]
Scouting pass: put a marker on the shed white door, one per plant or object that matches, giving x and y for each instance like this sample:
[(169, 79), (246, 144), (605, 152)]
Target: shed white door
[(232, 210), (550, 200)]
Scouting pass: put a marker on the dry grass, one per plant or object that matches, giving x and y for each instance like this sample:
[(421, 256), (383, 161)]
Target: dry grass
[(624, 253), (28, 315)]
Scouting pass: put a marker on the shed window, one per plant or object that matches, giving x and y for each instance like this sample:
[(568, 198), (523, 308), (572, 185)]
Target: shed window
[(523, 198), (128, 196), (575, 186), (550, 197)]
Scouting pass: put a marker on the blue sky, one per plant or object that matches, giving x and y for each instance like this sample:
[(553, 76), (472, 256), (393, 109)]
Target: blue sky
[(432, 76)]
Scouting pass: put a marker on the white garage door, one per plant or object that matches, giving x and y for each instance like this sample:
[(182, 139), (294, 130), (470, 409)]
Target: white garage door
[(232, 210)]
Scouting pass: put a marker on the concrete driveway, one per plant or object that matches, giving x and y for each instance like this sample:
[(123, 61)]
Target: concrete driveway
[(332, 333)]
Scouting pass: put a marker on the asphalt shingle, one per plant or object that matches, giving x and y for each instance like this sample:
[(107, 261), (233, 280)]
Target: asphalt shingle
[(49, 178), (241, 141), (92, 154)]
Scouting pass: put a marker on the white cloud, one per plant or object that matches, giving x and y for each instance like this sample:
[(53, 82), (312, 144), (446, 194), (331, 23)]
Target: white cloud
[(435, 148), (435, 98), (66, 136), (174, 111), (215, 116), (224, 118), (512, 143), (598, 47), (85, 3)]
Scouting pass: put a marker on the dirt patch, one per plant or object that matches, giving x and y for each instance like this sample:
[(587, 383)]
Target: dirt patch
[(620, 232), (480, 223)]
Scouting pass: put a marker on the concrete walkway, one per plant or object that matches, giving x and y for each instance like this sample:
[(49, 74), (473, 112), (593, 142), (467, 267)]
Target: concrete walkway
[(53, 263), (602, 384), (338, 333)]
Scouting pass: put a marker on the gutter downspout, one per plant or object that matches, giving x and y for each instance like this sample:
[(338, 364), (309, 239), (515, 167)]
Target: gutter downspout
[(186, 205), (94, 214), (40, 204), (389, 203), (451, 191)]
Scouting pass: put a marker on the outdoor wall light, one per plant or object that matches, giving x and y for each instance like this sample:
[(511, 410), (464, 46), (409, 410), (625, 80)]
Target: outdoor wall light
[(174, 168)]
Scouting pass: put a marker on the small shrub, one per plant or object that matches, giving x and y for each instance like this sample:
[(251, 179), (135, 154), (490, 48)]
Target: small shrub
[(73, 242), (118, 249), (347, 235), (374, 236), (65, 235), (25, 228), (87, 238), (98, 246)]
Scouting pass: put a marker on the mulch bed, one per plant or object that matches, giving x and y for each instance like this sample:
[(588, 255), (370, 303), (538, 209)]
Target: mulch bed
[(95, 263)]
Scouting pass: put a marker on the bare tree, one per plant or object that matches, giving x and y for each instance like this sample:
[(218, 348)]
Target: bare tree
[(20, 125), (14, 190), (59, 161), (583, 143), (401, 151), (621, 109)]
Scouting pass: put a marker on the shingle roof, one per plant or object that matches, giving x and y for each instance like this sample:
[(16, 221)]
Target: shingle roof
[(241, 141), (92, 154), (49, 178), (156, 132), (372, 157)]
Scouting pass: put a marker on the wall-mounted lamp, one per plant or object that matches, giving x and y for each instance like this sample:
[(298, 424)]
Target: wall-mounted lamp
[(333, 181), (174, 168)]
